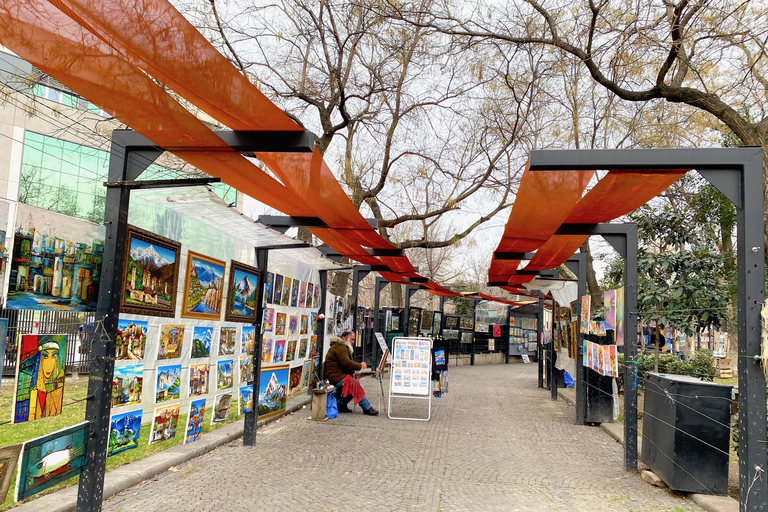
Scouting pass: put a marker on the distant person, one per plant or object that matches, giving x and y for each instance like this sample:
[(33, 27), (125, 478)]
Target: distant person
[(657, 339), (340, 369)]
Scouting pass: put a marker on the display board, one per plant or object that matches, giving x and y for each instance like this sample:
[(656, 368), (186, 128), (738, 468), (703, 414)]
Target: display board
[(410, 374), (522, 334)]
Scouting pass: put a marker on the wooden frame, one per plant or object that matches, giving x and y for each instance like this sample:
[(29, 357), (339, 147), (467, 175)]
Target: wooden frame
[(137, 301), (216, 299), (254, 274)]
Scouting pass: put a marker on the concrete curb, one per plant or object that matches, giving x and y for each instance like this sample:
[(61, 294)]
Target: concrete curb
[(125, 477), (705, 501)]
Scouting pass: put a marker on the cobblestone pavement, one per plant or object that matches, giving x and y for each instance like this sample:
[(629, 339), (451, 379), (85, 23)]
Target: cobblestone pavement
[(495, 442)]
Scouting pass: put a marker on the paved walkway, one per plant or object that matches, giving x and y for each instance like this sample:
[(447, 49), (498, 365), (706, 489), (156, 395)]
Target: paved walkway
[(495, 442)]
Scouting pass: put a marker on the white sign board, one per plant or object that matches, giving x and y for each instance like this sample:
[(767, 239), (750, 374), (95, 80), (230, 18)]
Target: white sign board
[(411, 364), (383, 345)]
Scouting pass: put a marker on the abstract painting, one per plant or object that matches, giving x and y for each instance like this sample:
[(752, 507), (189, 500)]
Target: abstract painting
[(199, 375), (131, 339), (248, 339), (278, 356), (273, 391), (268, 284), (280, 324), (168, 384), (293, 325), (306, 370), (245, 399), (303, 294), (124, 431), (295, 293), (221, 405), (51, 459), (290, 352), (224, 374), (150, 275), (294, 380), (304, 329), (127, 383), (246, 369), (195, 421), (286, 300), (269, 319), (277, 288), (164, 423), (171, 341), (202, 339), (227, 338), (39, 376), (9, 456), (241, 295), (203, 287), (266, 350)]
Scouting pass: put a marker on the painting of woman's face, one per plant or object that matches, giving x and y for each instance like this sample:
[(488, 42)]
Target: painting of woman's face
[(48, 359)]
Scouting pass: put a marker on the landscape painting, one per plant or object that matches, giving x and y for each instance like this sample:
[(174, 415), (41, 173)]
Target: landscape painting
[(294, 380), (124, 431), (268, 286), (39, 376), (241, 295), (246, 369), (277, 290), (221, 405), (227, 339), (202, 338), (286, 300), (203, 287), (273, 391), (168, 385), (266, 350), (131, 339), (151, 274), (290, 352), (248, 339), (280, 324), (127, 384), (171, 341), (278, 356), (224, 374), (164, 423), (195, 421), (199, 375), (306, 369), (245, 399)]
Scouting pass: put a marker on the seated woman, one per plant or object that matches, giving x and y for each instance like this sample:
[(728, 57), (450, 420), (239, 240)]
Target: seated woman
[(339, 370)]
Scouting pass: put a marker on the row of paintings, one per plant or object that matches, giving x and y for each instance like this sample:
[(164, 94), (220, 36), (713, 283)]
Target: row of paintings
[(283, 323), (601, 358), (286, 291), (151, 276), (286, 350)]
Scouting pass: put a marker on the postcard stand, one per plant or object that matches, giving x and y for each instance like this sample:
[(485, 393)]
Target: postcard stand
[(409, 376)]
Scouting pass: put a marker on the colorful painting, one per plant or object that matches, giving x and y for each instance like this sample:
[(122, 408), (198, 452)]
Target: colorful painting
[(609, 301), (248, 339), (278, 356), (203, 287), (268, 283), (131, 339), (168, 383), (3, 337), (303, 345), (199, 375), (266, 350), (165, 420), (227, 339), (316, 299), (9, 456), (246, 369), (224, 377), (437, 319), (127, 383), (315, 371), (51, 459), (221, 405), (313, 346), (294, 380), (241, 295), (39, 376), (277, 293), (124, 431), (290, 351), (293, 325), (202, 339), (273, 391), (303, 294), (286, 301), (586, 304), (295, 293), (306, 370), (620, 317), (304, 329), (195, 421), (269, 319), (171, 341), (151, 274), (313, 322), (310, 297), (245, 399), (56, 261), (280, 324)]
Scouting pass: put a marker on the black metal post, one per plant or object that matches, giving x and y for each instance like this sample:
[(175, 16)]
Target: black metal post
[(409, 291), (472, 347), (321, 322), (506, 357), (251, 418), (442, 316), (578, 265), (378, 287), (540, 340), (553, 355)]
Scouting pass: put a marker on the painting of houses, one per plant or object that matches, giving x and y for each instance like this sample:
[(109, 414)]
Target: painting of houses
[(151, 273), (245, 399), (248, 339), (227, 339), (202, 339), (171, 341), (127, 384), (198, 379), (246, 369), (224, 374), (203, 287), (168, 383), (164, 423), (195, 420), (221, 406), (131, 339)]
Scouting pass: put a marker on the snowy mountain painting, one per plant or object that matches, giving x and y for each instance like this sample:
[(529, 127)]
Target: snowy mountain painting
[(203, 287), (201, 341), (151, 274), (168, 382), (124, 431), (273, 390), (241, 302)]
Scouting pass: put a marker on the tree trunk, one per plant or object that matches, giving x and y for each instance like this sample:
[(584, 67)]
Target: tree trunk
[(593, 289), (340, 282)]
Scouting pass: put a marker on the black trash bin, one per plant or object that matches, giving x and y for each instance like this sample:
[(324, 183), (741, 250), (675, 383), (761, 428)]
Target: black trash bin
[(686, 432)]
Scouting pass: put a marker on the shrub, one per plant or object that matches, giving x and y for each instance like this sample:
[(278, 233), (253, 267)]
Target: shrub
[(702, 366)]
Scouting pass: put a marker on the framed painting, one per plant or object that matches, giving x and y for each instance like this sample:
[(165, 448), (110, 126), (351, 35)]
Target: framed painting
[(414, 321), (273, 391), (245, 399), (277, 290), (168, 384), (203, 284), (195, 421), (171, 341), (202, 338), (269, 282), (227, 338), (131, 339), (466, 322), (124, 431), (294, 380), (241, 293), (303, 345), (286, 300), (224, 374), (165, 420), (451, 322), (127, 383), (199, 375), (39, 376), (150, 274), (426, 321), (221, 406), (9, 456), (466, 337), (437, 318)]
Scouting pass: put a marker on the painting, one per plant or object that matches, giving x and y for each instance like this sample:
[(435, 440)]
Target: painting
[(241, 293), (609, 301), (246, 369), (315, 370), (164, 423), (280, 324), (202, 339), (451, 322), (245, 399), (9, 456), (266, 350), (124, 431), (248, 339), (304, 326), (437, 319), (195, 421), (310, 296), (131, 339), (294, 380), (295, 293), (171, 341), (466, 322), (426, 321), (466, 337), (199, 375), (388, 320), (313, 346), (481, 327), (39, 376), (619, 338), (224, 374), (151, 273), (396, 323), (227, 338), (273, 391), (451, 334), (56, 261), (286, 300), (269, 319), (414, 319), (278, 356), (268, 286), (303, 345), (313, 322), (168, 384), (221, 405), (51, 459), (277, 292), (290, 351), (203, 287), (306, 369), (586, 304), (127, 383), (303, 295), (293, 325), (316, 297)]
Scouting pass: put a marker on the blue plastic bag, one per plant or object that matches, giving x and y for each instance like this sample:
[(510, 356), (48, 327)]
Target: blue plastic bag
[(331, 407), (567, 379)]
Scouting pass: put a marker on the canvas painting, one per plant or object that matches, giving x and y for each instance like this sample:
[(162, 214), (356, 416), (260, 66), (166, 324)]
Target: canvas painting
[(313, 347), (164, 423), (620, 317), (202, 339), (269, 319), (303, 346), (586, 304), (39, 376), (315, 371), (286, 301), (451, 322), (277, 290), (316, 297), (294, 380), (278, 356), (245, 399), (268, 286), (171, 342), (295, 293), (609, 300), (426, 321), (437, 319), (168, 384), (124, 431), (203, 287), (310, 296), (224, 374), (246, 369), (127, 383), (131, 339), (51, 459), (293, 325), (199, 375), (280, 324), (290, 351), (221, 405), (466, 322), (313, 322), (227, 339), (466, 337), (267, 345), (195, 421), (248, 339), (273, 391), (304, 329), (9, 456), (241, 294), (151, 274), (306, 370), (303, 294), (481, 327)]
